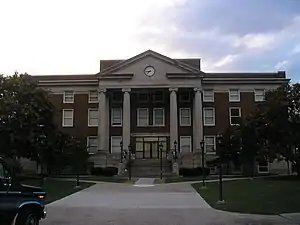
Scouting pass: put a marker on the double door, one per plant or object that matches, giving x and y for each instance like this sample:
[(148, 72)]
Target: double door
[(151, 148)]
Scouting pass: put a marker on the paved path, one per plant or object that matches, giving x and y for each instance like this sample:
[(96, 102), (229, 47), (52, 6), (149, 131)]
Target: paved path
[(120, 204), (144, 182)]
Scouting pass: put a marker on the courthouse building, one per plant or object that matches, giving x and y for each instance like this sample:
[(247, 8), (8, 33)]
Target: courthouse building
[(150, 100)]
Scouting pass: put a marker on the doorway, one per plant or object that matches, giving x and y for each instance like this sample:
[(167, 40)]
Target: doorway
[(148, 147)]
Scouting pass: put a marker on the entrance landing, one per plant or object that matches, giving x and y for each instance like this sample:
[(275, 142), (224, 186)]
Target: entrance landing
[(144, 182)]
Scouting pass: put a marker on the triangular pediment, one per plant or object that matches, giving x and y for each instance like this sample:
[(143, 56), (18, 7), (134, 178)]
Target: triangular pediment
[(122, 66)]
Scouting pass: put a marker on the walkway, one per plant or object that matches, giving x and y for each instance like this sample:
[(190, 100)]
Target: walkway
[(120, 204)]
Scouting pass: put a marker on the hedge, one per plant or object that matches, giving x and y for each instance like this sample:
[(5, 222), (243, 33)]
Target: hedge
[(190, 172)]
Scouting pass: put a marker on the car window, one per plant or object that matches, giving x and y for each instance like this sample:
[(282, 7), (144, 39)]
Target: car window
[(3, 172)]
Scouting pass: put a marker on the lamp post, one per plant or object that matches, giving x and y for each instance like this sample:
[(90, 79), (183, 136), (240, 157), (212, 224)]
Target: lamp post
[(121, 156), (202, 159), (161, 167), (175, 151), (129, 161), (219, 145)]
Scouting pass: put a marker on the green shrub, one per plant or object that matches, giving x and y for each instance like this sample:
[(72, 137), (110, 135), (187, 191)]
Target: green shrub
[(106, 171), (191, 172)]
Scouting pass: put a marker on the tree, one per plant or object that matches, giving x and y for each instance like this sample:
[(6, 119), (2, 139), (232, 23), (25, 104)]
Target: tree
[(26, 116)]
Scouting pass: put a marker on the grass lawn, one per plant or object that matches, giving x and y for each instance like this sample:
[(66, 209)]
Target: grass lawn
[(116, 179), (57, 189), (261, 196), (196, 178)]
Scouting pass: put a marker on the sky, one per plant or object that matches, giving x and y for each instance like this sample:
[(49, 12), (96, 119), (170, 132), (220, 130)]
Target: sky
[(72, 36)]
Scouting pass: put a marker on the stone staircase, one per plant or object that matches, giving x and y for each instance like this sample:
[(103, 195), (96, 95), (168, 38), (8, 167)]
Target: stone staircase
[(150, 168)]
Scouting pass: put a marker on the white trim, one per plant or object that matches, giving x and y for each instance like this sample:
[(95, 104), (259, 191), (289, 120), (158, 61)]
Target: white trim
[(87, 143), (138, 117), (89, 100), (190, 138), (214, 116), (213, 95), (112, 117), (64, 97), (153, 122), (240, 114), (111, 140), (255, 95), (180, 117), (210, 136), (92, 109), (262, 172), (63, 117), (239, 95)]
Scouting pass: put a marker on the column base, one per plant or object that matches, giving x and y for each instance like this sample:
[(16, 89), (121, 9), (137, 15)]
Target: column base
[(175, 168), (221, 202)]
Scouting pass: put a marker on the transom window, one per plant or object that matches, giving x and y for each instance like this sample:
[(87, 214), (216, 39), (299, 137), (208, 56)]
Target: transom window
[(68, 97), (259, 95), (209, 116), (115, 144), (92, 144), (67, 117), (210, 144), (158, 96), (93, 96), (234, 95), (142, 117), (143, 97), (185, 144), (185, 117), (116, 116), (158, 117), (235, 115), (117, 97), (93, 116), (208, 95), (185, 96)]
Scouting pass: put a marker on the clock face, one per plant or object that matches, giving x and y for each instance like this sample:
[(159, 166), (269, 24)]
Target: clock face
[(149, 71)]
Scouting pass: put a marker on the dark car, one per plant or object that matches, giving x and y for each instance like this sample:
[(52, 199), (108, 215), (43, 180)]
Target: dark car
[(19, 204)]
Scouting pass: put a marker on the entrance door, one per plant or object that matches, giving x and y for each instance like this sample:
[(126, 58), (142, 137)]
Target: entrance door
[(148, 147)]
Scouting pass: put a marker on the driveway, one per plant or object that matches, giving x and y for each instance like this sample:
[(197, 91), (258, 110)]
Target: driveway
[(120, 204)]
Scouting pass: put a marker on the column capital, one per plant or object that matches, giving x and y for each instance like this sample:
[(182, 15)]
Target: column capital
[(198, 90), (126, 89), (173, 89), (102, 90)]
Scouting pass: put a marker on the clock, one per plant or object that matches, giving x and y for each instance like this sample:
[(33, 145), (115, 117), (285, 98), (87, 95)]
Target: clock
[(149, 71)]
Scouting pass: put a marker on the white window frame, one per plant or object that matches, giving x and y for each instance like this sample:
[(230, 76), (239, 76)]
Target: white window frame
[(240, 114), (65, 96), (204, 116), (180, 118), (112, 117), (89, 117), (63, 118), (231, 95), (91, 100), (138, 117), (257, 97), (205, 145), (208, 98), (182, 137), (259, 166), (88, 142), (154, 115), (111, 144)]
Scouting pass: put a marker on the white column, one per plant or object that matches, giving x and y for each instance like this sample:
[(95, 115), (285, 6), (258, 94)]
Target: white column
[(126, 117), (173, 117), (102, 121), (198, 119)]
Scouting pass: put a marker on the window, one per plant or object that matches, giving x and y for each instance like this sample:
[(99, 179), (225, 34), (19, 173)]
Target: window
[(142, 117), (185, 144), (185, 117), (234, 95), (93, 117), (235, 115), (158, 96), (158, 117), (93, 96), (115, 144), (210, 144), (184, 96), (116, 117), (263, 165), (209, 116), (69, 97), (92, 144), (67, 116), (117, 97), (4, 173), (259, 95), (208, 95), (143, 97)]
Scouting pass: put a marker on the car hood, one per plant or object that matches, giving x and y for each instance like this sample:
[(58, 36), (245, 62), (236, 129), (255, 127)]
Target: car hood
[(29, 188)]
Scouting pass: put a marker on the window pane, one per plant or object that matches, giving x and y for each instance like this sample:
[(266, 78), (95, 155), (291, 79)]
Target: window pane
[(235, 112), (93, 96), (235, 120), (116, 116), (142, 117), (209, 144), (208, 95), (208, 112), (185, 112), (143, 97), (68, 113), (115, 144), (209, 120), (68, 121), (185, 144), (158, 96)]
